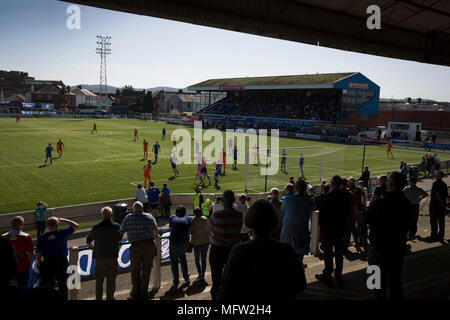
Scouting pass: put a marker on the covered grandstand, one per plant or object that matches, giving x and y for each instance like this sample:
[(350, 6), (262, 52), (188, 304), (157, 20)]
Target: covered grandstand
[(330, 104)]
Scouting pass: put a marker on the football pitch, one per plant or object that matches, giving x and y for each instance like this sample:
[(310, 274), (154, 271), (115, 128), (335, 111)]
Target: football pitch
[(108, 165)]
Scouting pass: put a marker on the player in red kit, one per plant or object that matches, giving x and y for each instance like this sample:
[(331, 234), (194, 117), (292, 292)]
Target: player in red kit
[(145, 143), (59, 147), (94, 128), (135, 135)]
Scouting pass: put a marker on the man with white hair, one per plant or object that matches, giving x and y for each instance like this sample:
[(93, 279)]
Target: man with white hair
[(23, 244), (141, 229), (106, 236)]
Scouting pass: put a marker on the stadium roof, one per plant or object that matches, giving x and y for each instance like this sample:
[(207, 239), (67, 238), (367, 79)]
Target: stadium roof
[(417, 30), (272, 82)]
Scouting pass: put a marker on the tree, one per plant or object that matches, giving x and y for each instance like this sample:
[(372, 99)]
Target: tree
[(147, 104), (128, 87), (138, 104)]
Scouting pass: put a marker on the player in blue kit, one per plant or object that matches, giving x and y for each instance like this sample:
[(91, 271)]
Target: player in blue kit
[(48, 153), (235, 151), (283, 161), (156, 149), (217, 174), (163, 133), (301, 163)]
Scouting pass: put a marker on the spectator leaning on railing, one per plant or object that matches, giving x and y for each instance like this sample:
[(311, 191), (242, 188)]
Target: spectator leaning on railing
[(106, 237), (141, 229)]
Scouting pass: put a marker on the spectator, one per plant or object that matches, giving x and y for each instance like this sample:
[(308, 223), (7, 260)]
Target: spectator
[(141, 196), (274, 199), (207, 205), (10, 291), (377, 194), (414, 194), (297, 210), (383, 184), (153, 198), (249, 264), (106, 236), (166, 200), (437, 162), (199, 231), (41, 216), (318, 201), (352, 216), (218, 204), (51, 253), (23, 245), (225, 226), (179, 242), (291, 180), (141, 229), (365, 177), (332, 218), (241, 206), (389, 219), (438, 205), (404, 170), (198, 198), (360, 207)]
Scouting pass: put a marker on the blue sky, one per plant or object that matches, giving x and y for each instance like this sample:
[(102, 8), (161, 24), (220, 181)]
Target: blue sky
[(149, 52)]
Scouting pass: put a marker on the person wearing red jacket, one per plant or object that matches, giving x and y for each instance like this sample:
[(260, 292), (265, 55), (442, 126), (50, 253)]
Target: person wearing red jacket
[(23, 244)]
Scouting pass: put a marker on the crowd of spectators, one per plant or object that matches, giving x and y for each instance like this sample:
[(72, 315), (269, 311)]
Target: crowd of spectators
[(302, 106), (246, 241)]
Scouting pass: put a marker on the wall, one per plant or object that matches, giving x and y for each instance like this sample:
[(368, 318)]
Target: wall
[(91, 211), (431, 120)]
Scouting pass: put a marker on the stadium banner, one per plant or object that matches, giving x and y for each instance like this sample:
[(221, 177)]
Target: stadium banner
[(421, 144), (86, 262), (307, 136), (231, 88), (283, 134), (373, 140), (47, 106), (28, 104), (358, 85)]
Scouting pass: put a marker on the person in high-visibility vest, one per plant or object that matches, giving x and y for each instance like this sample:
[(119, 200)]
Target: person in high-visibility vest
[(198, 198), (207, 206)]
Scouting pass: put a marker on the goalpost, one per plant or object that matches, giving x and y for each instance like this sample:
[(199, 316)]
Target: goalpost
[(312, 167)]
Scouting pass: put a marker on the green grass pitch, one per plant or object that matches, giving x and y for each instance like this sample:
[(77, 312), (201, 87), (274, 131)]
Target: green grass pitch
[(107, 165)]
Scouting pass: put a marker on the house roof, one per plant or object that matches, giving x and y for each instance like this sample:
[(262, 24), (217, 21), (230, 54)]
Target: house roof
[(16, 97), (304, 79), (186, 97), (83, 92)]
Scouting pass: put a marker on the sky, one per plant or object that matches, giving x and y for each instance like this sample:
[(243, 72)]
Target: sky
[(149, 52)]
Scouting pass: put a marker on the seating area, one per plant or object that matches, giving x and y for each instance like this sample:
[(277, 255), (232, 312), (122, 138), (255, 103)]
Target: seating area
[(303, 105)]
